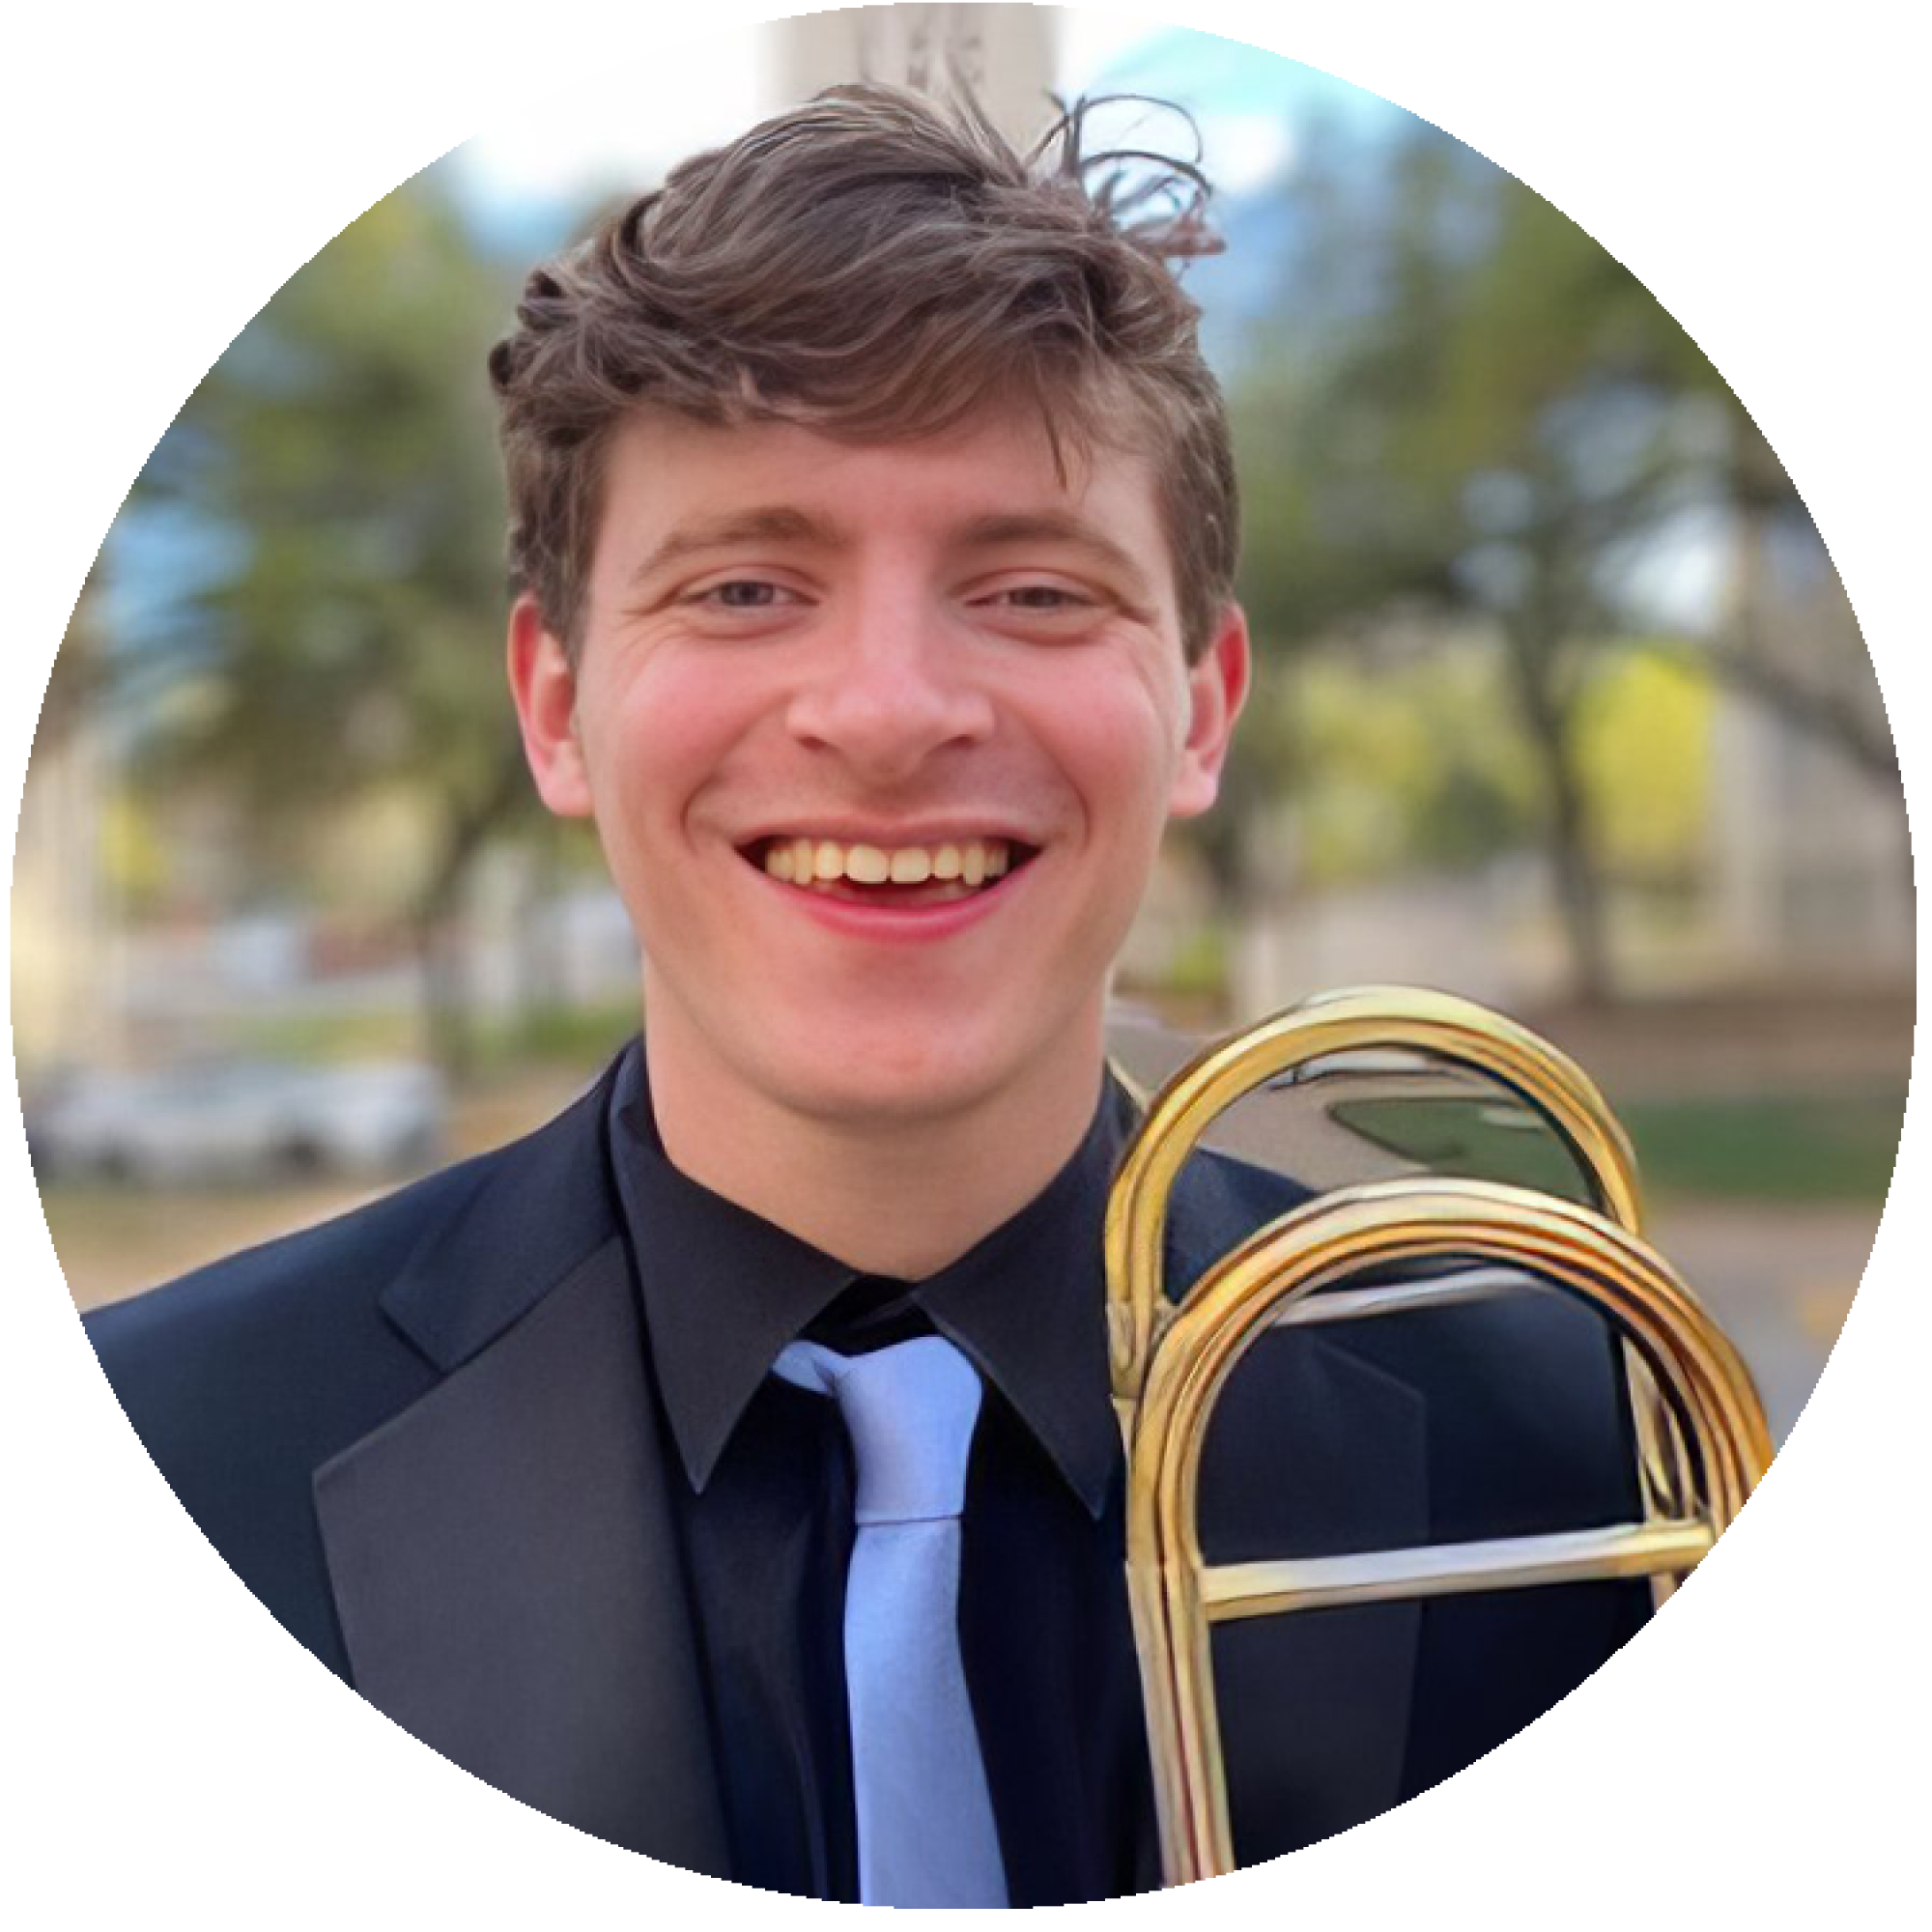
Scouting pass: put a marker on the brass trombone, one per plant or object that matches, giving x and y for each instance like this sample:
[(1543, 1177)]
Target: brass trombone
[(1701, 1434)]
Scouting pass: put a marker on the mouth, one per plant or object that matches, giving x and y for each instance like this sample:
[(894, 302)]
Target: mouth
[(901, 877)]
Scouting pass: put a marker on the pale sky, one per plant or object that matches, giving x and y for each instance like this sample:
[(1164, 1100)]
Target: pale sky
[(703, 92)]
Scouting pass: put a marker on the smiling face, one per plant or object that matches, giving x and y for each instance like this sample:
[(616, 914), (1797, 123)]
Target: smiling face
[(879, 740)]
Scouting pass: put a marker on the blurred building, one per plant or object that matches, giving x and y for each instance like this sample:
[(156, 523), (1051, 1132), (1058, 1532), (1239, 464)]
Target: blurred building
[(1810, 853), (67, 933), (1004, 54)]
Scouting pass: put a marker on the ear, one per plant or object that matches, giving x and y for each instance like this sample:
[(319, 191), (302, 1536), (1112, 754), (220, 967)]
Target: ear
[(1217, 686), (543, 684)]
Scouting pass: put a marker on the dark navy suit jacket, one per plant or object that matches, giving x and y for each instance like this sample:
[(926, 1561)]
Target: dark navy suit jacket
[(426, 1435)]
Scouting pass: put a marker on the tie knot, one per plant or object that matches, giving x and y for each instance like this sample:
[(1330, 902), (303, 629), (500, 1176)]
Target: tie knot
[(909, 1410)]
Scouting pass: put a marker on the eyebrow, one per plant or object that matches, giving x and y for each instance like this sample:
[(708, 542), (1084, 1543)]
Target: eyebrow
[(1056, 526), (786, 524), (776, 523)]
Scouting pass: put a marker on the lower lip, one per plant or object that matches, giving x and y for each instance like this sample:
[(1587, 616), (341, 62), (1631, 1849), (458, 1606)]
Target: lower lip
[(899, 924)]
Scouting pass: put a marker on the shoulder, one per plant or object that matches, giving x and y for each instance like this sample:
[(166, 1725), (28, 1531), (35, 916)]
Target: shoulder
[(315, 1274), (296, 1339), (1218, 1201), (547, 1175), (281, 1348), (243, 1379), (1523, 1390), (246, 1377)]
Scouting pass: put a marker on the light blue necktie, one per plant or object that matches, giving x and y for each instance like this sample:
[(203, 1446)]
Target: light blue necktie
[(926, 1821)]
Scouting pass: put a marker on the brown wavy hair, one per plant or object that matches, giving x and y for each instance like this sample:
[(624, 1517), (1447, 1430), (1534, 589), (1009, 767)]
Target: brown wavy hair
[(876, 266)]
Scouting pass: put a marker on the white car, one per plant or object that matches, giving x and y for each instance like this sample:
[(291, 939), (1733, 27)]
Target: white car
[(239, 1118)]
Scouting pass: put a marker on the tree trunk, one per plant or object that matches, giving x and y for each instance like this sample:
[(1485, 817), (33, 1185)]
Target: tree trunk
[(442, 961), (447, 1034), (538, 981), (1532, 646)]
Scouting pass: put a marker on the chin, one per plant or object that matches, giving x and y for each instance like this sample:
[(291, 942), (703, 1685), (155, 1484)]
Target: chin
[(898, 1081)]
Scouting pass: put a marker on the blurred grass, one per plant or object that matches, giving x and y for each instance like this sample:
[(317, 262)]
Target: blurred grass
[(319, 1038), (1486, 1139), (1781, 1147), (1839, 1146), (586, 1036)]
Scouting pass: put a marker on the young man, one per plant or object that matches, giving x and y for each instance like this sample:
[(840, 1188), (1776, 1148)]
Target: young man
[(875, 527)]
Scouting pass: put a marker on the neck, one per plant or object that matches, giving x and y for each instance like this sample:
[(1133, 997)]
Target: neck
[(892, 1193)]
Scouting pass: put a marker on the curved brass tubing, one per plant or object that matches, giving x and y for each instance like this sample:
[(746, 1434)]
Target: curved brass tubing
[(1456, 1030), (1703, 1442)]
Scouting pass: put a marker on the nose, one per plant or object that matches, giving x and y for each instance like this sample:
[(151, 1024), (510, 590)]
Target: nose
[(888, 691)]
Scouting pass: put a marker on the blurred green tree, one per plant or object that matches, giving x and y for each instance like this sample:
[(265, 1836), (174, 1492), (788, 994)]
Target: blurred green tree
[(1471, 414), (331, 627)]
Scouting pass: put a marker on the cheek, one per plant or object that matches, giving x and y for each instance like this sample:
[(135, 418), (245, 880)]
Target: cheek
[(659, 739), (1120, 743)]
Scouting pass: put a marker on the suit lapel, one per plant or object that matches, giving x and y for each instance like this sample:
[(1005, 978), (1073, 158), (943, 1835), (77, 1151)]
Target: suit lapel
[(502, 1553), (507, 1568)]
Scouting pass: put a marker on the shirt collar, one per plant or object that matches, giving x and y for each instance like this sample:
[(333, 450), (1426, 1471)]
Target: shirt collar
[(725, 1290)]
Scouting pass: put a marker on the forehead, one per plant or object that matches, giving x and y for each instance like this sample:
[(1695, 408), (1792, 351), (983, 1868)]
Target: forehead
[(997, 470)]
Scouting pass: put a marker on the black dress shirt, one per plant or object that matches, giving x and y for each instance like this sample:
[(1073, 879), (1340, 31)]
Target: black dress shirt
[(766, 1517)]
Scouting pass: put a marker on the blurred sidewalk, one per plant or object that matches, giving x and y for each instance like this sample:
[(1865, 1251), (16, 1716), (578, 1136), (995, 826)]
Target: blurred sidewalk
[(1739, 1043), (1779, 1279)]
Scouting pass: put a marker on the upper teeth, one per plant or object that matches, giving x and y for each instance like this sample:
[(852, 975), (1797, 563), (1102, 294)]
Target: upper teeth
[(970, 861)]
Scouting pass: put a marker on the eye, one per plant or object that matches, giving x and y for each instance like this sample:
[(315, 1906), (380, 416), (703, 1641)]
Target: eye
[(743, 593), (1041, 599)]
